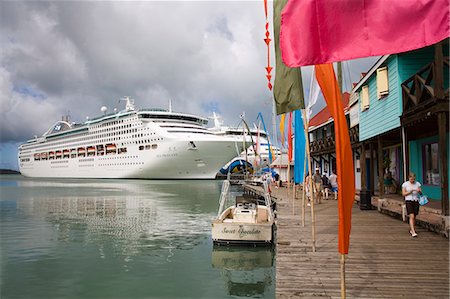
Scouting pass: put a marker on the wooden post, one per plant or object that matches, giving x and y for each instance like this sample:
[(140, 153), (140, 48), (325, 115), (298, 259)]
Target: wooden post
[(380, 167), (288, 177), (443, 161), (313, 220), (304, 191), (362, 162), (293, 195), (372, 170), (405, 153), (289, 184), (438, 75), (343, 276)]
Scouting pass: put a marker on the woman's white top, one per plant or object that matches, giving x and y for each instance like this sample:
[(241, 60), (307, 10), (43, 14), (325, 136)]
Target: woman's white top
[(333, 180), (410, 187)]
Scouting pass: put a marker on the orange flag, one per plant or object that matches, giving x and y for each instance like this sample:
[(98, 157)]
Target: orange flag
[(344, 162), (283, 117)]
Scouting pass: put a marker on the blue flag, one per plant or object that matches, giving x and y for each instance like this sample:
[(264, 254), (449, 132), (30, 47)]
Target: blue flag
[(299, 147), (268, 140)]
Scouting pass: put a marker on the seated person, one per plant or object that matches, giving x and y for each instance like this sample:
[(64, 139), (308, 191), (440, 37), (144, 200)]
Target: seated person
[(388, 182)]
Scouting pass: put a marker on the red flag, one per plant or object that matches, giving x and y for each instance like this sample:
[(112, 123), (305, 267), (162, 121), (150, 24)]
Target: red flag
[(344, 162), (290, 137), (268, 40), (324, 31)]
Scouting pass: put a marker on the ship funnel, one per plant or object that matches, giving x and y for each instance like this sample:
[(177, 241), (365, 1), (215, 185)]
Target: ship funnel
[(129, 105), (217, 122)]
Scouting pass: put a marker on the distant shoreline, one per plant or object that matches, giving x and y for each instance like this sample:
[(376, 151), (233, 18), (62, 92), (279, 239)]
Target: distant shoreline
[(8, 171)]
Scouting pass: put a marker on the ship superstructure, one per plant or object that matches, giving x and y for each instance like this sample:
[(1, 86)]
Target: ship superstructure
[(145, 143), (248, 140)]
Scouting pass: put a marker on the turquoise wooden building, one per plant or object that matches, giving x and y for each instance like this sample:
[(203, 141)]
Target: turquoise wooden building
[(403, 121)]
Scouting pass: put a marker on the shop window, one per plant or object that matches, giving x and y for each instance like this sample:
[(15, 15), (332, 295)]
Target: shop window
[(430, 154)]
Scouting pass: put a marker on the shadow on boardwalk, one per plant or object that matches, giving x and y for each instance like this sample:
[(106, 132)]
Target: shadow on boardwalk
[(384, 260)]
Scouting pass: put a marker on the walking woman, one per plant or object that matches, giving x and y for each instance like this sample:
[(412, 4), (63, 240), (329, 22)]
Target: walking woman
[(411, 190)]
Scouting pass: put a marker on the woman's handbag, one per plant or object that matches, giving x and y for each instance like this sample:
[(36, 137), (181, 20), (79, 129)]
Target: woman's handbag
[(423, 200)]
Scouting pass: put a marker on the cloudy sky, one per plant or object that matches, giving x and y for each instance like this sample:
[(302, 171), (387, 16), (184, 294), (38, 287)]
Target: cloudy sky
[(70, 56)]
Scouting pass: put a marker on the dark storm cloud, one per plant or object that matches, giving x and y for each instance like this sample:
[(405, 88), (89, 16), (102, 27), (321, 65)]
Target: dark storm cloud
[(78, 56)]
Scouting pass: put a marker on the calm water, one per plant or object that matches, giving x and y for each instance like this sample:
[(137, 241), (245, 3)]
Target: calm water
[(121, 239)]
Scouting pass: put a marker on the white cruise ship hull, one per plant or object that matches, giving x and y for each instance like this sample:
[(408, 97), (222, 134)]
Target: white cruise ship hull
[(172, 160)]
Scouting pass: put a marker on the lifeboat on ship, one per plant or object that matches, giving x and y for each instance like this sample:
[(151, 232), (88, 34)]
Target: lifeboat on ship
[(37, 157), (58, 154), (44, 156), (66, 153), (91, 151), (51, 155), (111, 148), (81, 151)]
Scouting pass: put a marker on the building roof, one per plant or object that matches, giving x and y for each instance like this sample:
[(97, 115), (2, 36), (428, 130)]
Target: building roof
[(324, 115), (366, 76)]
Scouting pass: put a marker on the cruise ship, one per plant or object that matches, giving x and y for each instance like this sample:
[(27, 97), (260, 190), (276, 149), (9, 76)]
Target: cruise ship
[(143, 144)]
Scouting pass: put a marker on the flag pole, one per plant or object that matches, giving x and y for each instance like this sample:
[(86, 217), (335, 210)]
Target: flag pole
[(304, 191), (342, 276), (313, 220), (293, 193), (288, 177)]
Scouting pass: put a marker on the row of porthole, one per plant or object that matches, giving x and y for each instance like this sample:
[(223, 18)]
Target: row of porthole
[(59, 162), (116, 164), (111, 158)]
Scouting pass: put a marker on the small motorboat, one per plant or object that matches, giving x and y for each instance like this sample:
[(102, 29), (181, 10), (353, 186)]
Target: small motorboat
[(250, 220)]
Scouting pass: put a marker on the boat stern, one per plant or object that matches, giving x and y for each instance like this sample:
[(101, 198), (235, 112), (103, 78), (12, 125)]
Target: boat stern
[(232, 233)]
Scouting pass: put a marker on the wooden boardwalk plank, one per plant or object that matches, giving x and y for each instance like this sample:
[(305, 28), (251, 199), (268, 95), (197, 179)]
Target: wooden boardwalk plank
[(384, 261)]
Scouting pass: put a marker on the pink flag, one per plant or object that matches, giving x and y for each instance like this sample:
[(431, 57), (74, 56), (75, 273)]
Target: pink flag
[(325, 31)]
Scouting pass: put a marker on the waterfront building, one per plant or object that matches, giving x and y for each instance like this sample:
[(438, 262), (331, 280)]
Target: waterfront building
[(398, 122), (403, 121), (323, 143)]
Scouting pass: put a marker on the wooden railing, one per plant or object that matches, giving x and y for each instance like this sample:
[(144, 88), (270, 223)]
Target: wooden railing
[(425, 87), (328, 144)]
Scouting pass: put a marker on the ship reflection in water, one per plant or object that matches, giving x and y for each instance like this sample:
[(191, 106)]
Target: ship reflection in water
[(119, 239), (134, 222), (247, 272)]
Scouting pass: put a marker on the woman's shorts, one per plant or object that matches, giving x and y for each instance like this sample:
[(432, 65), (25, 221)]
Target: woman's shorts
[(334, 189), (412, 207)]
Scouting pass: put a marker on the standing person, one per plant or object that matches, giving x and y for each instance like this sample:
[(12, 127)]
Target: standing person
[(325, 184), (269, 181), (306, 185), (277, 180), (317, 180), (334, 184), (411, 190)]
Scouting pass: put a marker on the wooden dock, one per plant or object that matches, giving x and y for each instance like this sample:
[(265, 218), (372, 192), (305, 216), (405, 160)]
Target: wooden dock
[(384, 260)]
